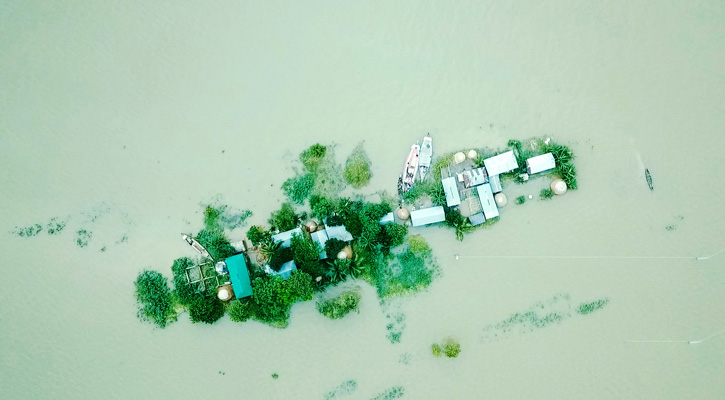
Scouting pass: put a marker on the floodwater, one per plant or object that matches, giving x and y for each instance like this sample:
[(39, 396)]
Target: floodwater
[(122, 118)]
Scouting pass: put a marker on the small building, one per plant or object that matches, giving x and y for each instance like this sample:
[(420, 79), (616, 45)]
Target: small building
[(485, 195), (286, 237), (495, 182), (475, 177), (501, 163), (239, 275), (426, 216), (338, 232), (477, 219), (453, 198), (320, 237), (540, 163), (387, 218)]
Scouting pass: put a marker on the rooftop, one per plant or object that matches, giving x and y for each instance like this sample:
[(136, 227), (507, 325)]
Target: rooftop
[(427, 216), (502, 163), (239, 275)]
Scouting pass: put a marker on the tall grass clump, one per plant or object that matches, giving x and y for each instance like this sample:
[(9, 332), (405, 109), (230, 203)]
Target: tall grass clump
[(563, 156), (357, 168)]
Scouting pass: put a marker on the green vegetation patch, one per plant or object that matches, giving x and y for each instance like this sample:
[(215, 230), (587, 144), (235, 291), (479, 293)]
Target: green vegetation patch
[(394, 392), (546, 194), (313, 156), (540, 315), (257, 235), (564, 157), (28, 231), (341, 305), (520, 200), (357, 168), (55, 226), (586, 308), (273, 297), (153, 298), (344, 389), (450, 348), (285, 218)]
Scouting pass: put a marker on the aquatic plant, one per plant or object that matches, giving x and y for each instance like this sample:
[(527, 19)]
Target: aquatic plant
[(345, 388), (394, 234), (153, 298), (436, 349), (539, 315), (83, 237), (546, 194), (340, 305), (418, 245), (28, 231), (403, 273), (55, 226), (313, 156), (299, 187), (520, 200), (394, 392), (586, 308), (216, 242), (451, 347), (357, 168), (222, 216), (285, 218)]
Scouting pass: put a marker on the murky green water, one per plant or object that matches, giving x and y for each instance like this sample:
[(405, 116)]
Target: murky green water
[(118, 120)]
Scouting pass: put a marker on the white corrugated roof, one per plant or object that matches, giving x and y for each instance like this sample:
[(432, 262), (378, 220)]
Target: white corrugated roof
[(495, 182), (540, 163), (387, 218), (450, 187), (501, 163), (338, 232), (286, 237), (485, 195), (427, 216), (320, 237)]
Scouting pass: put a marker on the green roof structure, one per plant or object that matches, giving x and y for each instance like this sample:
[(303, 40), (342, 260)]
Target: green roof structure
[(239, 276)]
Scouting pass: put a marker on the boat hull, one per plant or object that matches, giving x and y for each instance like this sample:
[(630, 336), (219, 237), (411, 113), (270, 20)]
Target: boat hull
[(426, 157), (410, 170)]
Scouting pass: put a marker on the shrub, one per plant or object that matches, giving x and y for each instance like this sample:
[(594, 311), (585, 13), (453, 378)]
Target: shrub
[(240, 310), (520, 200), (270, 294), (184, 292), (321, 206), (299, 188), (395, 234), (257, 235), (207, 309), (154, 300), (300, 286), (334, 246), (306, 254), (357, 168), (546, 194), (285, 218), (313, 156), (451, 348), (279, 257), (341, 305), (437, 350)]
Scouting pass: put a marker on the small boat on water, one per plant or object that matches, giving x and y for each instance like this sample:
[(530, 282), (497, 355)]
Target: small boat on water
[(648, 176), (196, 245), (426, 156), (411, 167)]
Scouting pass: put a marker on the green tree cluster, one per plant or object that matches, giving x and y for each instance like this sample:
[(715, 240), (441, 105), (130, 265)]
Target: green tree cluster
[(322, 207), (306, 255), (257, 235), (274, 296), (285, 218)]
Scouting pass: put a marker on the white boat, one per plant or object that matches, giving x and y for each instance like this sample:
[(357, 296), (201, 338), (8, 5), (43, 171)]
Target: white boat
[(196, 245), (426, 157)]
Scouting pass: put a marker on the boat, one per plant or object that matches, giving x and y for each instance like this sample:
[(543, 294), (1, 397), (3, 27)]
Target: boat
[(648, 176), (426, 156), (411, 167), (196, 245)]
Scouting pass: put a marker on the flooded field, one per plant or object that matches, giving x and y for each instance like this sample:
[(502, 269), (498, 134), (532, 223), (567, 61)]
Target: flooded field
[(119, 121)]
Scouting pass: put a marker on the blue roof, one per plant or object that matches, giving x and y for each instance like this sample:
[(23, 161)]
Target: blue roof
[(286, 237), (338, 232), (239, 276)]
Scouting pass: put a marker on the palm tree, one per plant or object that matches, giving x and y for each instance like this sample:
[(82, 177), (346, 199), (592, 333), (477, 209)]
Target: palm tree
[(269, 247)]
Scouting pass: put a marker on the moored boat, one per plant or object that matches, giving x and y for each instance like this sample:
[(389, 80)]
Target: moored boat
[(196, 245), (426, 157), (411, 167)]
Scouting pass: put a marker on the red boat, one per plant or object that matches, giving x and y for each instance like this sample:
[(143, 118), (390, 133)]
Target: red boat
[(411, 168)]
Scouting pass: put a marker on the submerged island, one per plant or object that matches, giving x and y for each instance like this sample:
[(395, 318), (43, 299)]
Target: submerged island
[(318, 238)]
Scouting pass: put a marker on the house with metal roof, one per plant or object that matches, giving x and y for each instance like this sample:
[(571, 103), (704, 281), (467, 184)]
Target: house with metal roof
[(453, 198), (286, 269), (320, 237), (239, 275), (495, 182), (338, 232), (477, 219), (540, 163), (475, 177), (502, 163), (485, 195), (426, 216), (286, 237)]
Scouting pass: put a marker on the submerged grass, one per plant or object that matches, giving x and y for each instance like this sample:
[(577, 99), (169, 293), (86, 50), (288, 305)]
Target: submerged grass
[(344, 389), (587, 308), (394, 392)]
